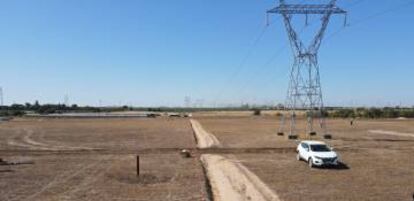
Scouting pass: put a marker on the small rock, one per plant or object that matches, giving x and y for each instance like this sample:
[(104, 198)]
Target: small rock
[(185, 153)]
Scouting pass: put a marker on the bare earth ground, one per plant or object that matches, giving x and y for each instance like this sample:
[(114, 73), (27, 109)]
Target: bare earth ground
[(108, 134), (377, 166), (94, 159), (245, 132), (103, 174)]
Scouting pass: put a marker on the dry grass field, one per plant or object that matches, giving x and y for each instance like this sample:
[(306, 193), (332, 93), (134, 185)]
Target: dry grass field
[(86, 134), (94, 159), (376, 166)]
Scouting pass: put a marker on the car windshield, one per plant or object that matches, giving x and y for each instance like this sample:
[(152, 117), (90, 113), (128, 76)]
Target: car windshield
[(320, 148)]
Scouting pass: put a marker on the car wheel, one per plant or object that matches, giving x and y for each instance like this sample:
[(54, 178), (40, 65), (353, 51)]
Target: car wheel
[(298, 157), (310, 161)]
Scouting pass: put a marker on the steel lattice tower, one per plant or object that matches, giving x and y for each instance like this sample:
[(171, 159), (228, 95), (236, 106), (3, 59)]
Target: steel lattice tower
[(1, 96), (305, 92)]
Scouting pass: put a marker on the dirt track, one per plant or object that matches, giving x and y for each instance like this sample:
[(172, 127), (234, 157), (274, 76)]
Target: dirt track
[(204, 138), (231, 181)]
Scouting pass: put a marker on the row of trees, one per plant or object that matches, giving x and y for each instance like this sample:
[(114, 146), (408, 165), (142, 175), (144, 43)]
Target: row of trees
[(386, 112), (21, 109)]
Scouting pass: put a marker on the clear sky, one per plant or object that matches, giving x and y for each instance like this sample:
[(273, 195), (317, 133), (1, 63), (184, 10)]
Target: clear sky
[(157, 52)]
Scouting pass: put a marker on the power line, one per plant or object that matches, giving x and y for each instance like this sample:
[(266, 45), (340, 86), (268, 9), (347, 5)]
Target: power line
[(397, 7), (261, 68), (366, 18), (268, 62), (249, 52), (380, 13), (239, 68), (268, 81), (358, 22), (245, 58), (309, 24), (355, 3)]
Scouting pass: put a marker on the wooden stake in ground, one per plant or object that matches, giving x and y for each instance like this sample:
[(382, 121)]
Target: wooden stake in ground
[(137, 165)]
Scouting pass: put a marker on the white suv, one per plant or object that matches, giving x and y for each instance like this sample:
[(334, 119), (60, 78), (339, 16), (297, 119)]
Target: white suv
[(316, 153)]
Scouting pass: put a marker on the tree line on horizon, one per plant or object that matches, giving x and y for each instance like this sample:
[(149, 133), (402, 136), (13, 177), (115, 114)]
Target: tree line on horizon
[(372, 113), (335, 112)]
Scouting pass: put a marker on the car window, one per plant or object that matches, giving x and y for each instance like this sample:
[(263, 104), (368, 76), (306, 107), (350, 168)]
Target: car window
[(304, 145), (320, 148)]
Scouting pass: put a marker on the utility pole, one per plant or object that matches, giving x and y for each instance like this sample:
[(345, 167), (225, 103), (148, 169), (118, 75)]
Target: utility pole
[(305, 91)]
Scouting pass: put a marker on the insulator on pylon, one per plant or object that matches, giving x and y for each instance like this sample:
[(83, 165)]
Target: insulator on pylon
[(346, 20), (306, 21), (267, 19)]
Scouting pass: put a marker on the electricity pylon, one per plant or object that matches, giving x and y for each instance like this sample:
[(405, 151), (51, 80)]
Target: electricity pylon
[(305, 92), (1, 96)]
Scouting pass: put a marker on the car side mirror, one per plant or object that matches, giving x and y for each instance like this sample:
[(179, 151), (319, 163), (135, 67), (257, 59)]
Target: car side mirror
[(307, 149), (332, 149)]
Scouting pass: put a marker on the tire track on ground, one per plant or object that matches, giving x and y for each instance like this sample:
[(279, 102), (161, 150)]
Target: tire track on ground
[(61, 180), (88, 180), (16, 140), (58, 177), (26, 140)]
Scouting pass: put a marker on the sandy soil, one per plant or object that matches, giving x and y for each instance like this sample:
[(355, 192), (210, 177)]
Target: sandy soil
[(204, 138), (231, 181), (391, 133)]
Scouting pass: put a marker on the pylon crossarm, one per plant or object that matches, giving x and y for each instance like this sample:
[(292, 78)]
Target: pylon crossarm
[(306, 9), (286, 10)]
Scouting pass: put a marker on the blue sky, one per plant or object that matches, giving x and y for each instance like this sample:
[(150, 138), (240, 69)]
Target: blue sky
[(157, 52)]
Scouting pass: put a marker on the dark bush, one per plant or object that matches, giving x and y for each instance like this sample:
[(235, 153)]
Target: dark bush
[(257, 112)]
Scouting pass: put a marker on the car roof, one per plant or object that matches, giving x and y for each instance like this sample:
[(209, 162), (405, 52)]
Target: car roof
[(310, 142)]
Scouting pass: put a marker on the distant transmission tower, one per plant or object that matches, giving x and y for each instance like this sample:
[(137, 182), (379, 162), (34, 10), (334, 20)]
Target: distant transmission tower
[(187, 102), (305, 92), (66, 100), (1, 96)]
